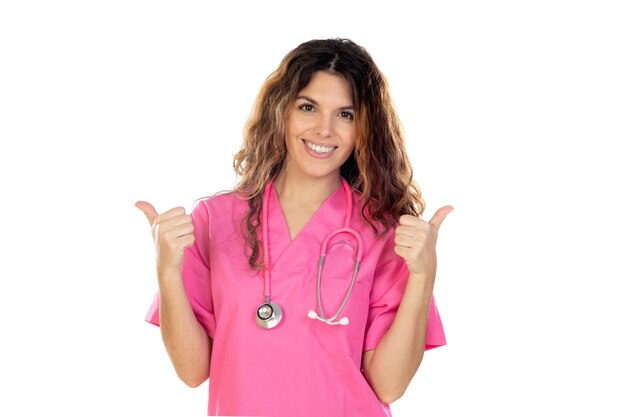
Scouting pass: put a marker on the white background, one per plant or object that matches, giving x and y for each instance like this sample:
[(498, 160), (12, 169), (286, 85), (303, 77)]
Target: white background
[(513, 113)]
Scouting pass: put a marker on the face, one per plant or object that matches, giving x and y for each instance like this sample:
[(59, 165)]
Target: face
[(319, 129)]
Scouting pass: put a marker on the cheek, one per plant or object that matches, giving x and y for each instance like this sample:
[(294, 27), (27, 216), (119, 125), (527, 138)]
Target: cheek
[(349, 138), (353, 141), (291, 138), (294, 126), (291, 133)]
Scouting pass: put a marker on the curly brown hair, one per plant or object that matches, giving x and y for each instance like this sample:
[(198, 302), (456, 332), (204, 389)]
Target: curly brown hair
[(378, 168)]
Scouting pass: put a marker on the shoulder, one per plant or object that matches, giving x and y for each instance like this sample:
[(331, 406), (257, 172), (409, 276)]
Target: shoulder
[(376, 227), (221, 213), (219, 202)]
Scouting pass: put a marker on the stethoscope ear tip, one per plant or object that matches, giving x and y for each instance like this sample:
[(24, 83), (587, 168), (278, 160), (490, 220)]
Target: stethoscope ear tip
[(313, 315)]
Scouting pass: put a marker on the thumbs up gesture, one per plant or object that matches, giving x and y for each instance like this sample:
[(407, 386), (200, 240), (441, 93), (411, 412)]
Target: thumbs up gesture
[(415, 242), (172, 232)]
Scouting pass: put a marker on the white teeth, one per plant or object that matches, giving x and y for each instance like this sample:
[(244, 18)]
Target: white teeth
[(319, 149)]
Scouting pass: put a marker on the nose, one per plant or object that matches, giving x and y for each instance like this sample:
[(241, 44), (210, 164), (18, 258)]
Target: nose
[(324, 127)]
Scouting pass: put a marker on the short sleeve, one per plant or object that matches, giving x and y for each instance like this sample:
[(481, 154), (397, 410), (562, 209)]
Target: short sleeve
[(196, 274), (390, 279)]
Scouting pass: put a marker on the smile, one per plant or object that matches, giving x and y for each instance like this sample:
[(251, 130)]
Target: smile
[(319, 148)]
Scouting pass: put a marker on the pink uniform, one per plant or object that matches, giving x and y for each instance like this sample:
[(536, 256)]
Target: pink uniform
[(302, 367)]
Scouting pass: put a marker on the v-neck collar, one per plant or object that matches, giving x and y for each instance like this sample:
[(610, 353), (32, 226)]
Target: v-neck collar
[(278, 230)]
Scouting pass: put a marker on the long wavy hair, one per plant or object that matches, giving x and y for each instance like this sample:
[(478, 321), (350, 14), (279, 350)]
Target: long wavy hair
[(378, 168)]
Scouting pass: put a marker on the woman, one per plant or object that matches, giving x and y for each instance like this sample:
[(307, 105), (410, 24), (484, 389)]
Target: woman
[(242, 295)]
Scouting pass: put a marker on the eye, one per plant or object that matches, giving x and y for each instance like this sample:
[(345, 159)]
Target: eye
[(346, 115), (306, 107)]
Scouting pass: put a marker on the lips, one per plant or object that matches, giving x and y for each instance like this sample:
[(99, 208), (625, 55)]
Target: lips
[(319, 148)]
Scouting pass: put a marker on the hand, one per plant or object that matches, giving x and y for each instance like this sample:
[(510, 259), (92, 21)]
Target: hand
[(172, 232), (416, 239)]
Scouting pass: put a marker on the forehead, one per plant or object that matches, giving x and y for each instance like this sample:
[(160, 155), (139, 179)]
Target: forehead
[(328, 87)]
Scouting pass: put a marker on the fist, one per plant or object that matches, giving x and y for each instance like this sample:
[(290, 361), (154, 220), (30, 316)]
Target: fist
[(415, 241), (172, 232)]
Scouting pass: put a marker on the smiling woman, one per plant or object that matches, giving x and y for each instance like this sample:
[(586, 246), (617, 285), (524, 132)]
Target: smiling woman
[(319, 130), (323, 170)]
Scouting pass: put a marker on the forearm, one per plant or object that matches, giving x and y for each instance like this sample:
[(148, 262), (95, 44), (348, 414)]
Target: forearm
[(399, 353), (185, 340)]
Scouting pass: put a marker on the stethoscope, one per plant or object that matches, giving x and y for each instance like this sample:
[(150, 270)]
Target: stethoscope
[(269, 314)]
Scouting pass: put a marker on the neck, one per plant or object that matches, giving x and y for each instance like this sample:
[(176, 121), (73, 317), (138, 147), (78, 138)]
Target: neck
[(306, 190)]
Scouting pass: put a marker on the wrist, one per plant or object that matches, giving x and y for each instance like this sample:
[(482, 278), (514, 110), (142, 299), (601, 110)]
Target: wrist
[(168, 274), (422, 276), (422, 281)]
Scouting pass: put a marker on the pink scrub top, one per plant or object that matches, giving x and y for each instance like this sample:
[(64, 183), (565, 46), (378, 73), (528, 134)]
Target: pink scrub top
[(302, 367)]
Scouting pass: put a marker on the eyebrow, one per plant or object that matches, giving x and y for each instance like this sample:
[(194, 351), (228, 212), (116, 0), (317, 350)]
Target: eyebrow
[(316, 103)]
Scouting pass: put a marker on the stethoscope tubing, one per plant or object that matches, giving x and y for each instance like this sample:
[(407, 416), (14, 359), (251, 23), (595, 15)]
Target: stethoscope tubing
[(319, 290), (273, 321)]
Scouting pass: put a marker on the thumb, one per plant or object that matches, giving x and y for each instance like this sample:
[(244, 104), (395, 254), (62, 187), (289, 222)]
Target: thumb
[(148, 209), (440, 215)]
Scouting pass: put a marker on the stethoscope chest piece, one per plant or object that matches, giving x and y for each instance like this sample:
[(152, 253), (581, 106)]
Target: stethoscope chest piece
[(268, 315)]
